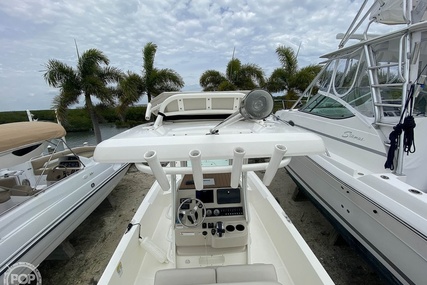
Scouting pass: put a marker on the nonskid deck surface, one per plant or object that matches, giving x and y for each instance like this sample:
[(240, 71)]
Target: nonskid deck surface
[(263, 240), (262, 250)]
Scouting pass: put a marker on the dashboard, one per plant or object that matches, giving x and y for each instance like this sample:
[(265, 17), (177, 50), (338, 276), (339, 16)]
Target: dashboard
[(216, 201), (214, 216), (69, 161), (70, 164)]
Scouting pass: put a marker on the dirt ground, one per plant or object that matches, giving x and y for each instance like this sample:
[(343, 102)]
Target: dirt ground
[(96, 238)]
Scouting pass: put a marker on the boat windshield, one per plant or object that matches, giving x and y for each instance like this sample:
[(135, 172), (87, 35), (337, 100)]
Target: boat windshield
[(346, 76), (327, 107)]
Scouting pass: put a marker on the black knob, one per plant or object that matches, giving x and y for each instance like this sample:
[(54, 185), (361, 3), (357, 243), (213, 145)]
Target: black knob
[(219, 228)]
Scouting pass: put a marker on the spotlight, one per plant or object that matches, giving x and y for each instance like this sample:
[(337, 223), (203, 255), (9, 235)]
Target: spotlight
[(257, 105)]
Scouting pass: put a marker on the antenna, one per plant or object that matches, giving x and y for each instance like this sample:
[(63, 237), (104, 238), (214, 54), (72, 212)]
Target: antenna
[(77, 49), (299, 47), (231, 67)]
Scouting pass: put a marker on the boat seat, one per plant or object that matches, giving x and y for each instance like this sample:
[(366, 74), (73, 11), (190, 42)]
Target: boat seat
[(16, 190), (56, 174), (254, 274), (186, 276), (40, 163), (22, 190), (4, 195), (8, 182), (246, 273)]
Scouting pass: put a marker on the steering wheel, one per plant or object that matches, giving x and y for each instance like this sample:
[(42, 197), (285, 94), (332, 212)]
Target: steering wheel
[(193, 214), (63, 168)]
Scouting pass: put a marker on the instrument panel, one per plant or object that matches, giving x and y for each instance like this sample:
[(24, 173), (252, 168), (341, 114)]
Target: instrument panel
[(214, 199), (213, 216), (69, 161)]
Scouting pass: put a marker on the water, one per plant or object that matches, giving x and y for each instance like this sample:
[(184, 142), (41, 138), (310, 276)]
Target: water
[(78, 138)]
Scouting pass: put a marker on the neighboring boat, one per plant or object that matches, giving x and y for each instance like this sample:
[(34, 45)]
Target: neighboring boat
[(45, 196), (208, 218), (371, 183)]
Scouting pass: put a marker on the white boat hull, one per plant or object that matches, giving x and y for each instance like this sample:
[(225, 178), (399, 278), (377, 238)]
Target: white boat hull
[(33, 229), (273, 240), (208, 213), (369, 106), (388, 234)]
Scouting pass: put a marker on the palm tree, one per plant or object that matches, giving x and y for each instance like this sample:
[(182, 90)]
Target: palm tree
[(92, 77), (288, 77), (158, 80), (152, 82), (130, 89), (238, 77)]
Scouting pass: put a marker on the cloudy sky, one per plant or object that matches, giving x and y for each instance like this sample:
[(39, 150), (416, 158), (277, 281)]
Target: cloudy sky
[(192, 36)]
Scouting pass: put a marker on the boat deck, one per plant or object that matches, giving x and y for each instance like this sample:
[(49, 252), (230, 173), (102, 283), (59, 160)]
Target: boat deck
[(269, 242)]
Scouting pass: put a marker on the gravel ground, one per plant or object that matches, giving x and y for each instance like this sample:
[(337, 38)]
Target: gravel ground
[(97, 237)]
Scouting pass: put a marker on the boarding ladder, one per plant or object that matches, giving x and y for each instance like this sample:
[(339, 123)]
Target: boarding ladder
[(383, 102), (376, 87), (412, 12)]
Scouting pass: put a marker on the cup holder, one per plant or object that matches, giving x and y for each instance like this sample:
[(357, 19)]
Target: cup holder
[(240, 227), (230, 228)]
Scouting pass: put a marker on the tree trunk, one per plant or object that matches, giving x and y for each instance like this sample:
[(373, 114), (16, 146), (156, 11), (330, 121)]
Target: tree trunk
[(93, 118)]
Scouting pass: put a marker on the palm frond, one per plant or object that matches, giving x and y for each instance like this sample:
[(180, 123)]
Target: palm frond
[(278, 81), (211, 79), (132, 88), (62, 102), (305, 75), (226, 85), (110, 74), (251, 76), (288, 59), (233, 70), (168, 80), (91, 59), (148, 53), (57, 73)]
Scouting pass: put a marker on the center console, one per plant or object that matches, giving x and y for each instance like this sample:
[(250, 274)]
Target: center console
[(214, 216)]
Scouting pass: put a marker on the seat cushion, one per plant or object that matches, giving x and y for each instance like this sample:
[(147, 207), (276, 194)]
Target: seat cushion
[(246, 273), (4, 195), (185, 276)]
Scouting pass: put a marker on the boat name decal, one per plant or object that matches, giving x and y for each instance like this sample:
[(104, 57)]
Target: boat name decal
[(350, 135)]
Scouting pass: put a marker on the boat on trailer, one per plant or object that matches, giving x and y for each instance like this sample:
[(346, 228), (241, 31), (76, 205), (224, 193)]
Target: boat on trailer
[(369, 106), (208, 218), (46, 191)]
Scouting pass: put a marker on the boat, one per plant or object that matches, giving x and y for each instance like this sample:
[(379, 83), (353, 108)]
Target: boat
[(368, 104), (208, 218), (46, 191)]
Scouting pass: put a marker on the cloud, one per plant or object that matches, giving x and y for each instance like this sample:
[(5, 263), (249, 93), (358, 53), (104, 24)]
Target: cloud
[(192, 36)]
